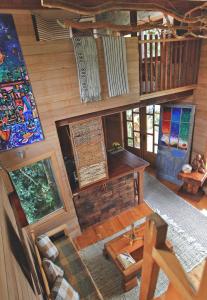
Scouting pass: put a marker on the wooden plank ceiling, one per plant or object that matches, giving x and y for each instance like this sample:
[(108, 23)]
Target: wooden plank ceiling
[(180, 6)]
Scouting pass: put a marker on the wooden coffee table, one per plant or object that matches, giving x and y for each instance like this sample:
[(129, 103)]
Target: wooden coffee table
[(122, 244)]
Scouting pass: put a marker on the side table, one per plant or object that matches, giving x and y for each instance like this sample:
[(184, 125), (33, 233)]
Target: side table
[(192, 182)]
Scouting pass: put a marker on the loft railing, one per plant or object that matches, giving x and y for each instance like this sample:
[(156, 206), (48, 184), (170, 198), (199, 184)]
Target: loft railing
[(167, 63)]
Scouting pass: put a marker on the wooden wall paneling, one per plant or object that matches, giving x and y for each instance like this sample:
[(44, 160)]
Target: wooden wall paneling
[(140, 46), (180, 52), (13, 283), (166, 63)]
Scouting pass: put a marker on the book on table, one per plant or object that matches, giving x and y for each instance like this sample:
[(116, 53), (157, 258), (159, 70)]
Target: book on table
[(125, 259)]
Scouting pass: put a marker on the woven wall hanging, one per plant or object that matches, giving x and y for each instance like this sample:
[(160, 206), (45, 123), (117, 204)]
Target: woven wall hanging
[(88, 70), (116, 65)]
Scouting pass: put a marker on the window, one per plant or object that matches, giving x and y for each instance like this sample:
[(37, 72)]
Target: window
[(36, 187), (149, 131), (152, 127), (133, 128)]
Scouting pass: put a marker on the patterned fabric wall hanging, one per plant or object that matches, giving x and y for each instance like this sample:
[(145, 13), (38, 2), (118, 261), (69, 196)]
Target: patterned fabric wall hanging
[(49, 30), (89, 150), (116, 65), (19, 121), (87, 67)]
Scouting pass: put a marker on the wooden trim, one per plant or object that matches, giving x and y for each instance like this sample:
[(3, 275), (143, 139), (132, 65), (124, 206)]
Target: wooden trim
[(167, 40)]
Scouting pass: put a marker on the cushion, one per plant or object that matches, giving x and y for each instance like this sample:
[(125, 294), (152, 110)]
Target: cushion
[(62, 290), (52, 271), (46, 247)]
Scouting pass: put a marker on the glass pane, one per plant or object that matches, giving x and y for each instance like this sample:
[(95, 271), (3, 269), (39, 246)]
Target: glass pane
[(150, 109), (136, 109), (137, 140), (149, 143), (130, 142), (149, 124), (156, 134), (155, 149), (167, 113), (129, 115), (157, 119), (36, 187), (136, 122), (129, 129), (157, 109)]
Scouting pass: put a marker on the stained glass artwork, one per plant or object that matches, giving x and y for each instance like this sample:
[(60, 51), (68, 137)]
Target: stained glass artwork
[(186, 113), (165, 139), (167, 113), (166, 127), (184, 134), (176, 112), (174, 134), (19, 121)]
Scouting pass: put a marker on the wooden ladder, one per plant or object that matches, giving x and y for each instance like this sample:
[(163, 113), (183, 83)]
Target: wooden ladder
[(158, 256)]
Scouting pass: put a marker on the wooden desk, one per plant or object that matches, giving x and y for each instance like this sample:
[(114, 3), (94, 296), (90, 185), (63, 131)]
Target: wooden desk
[(125, 162), (192, 182)]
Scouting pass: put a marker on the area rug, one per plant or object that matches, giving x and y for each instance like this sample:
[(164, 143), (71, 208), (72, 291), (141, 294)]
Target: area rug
[(188, 246)]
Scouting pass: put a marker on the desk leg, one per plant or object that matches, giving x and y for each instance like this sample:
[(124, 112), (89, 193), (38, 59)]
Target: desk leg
[(140, 186)]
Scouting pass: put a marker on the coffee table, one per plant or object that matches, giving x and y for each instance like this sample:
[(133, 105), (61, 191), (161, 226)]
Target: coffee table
[(122, 244)]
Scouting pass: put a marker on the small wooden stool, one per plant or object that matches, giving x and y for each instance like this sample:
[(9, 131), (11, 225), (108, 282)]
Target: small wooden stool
[(192, 182)]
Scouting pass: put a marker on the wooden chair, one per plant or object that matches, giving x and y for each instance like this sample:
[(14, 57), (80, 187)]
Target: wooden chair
[(156, 256)]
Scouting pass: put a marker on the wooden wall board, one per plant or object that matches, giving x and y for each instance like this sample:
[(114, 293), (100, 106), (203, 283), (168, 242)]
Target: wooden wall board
[(52, 70), (13, 283)]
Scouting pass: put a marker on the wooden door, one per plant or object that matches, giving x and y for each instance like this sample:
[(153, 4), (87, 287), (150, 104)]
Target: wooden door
[(142, 131)]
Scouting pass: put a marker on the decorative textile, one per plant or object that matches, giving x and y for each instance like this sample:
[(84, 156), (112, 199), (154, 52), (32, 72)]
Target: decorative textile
[(62, 290), (19, 121), (74, 269), (51, 270), (116, 65), (46, 247), (87, 67)]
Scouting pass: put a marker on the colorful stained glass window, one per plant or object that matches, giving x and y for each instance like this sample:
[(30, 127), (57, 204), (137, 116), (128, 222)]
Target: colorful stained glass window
[(176, 112)]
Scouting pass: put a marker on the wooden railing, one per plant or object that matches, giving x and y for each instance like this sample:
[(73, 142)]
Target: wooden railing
[(167, 63)]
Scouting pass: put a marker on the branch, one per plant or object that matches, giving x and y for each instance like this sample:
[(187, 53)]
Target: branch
[(76, 8), (126, 28), (26, 175)]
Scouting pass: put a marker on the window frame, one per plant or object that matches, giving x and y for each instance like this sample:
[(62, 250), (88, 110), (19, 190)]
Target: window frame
[(57, 176)]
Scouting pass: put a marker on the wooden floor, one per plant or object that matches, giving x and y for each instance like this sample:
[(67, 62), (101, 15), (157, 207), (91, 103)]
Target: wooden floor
[(102, 230)]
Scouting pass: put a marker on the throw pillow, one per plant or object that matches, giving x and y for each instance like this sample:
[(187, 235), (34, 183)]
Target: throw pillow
[(52, 271), (46, 247), (62, 290)]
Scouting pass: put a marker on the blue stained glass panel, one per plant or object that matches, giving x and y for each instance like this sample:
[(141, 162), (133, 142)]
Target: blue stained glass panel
[(176, 112)]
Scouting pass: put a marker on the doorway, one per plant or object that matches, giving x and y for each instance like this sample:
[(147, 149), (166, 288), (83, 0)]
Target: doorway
[(141, 131)]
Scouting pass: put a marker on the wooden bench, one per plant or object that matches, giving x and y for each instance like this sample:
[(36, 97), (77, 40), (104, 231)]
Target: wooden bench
[(70, 261)]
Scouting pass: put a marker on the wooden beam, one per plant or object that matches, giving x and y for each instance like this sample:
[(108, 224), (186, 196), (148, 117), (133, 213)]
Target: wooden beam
[(159, 97), (107, 6)]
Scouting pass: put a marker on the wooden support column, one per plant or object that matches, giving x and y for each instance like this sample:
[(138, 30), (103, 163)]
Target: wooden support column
[(133, 21), (156, 232)]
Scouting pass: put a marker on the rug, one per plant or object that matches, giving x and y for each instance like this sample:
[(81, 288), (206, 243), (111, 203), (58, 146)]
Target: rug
[(188, 246)]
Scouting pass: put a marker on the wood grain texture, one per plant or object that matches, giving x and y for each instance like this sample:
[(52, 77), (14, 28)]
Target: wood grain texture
[(52, 70), (13, 283)]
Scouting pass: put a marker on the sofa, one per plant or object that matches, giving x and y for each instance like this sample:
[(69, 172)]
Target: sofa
[(75, 271)]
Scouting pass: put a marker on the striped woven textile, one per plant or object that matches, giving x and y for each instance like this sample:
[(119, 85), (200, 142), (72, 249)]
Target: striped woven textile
[(116, 65), (49, 29), (88, 69)]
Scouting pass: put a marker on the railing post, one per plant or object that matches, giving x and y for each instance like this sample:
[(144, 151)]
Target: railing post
[(154, 237)]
